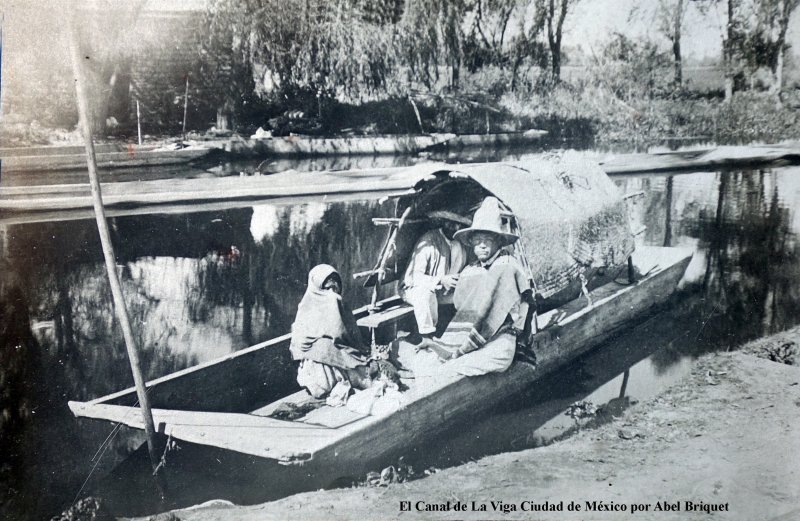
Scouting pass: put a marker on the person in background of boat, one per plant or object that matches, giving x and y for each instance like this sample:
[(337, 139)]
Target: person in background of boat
[(432, 273), (491, 299), (326, 340)]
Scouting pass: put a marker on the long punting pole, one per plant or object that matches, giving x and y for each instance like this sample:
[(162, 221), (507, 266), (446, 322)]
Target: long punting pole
[(108, 247)]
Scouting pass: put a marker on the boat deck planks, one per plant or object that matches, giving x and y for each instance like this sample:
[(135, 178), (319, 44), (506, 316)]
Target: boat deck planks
[(246, 433)]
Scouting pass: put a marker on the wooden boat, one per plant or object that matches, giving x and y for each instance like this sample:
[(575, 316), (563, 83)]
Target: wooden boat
[(496, 140), (304, 146), (220, 412), (48, 159)]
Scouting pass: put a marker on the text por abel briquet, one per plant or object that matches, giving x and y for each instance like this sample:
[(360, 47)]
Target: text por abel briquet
[(562, 506)]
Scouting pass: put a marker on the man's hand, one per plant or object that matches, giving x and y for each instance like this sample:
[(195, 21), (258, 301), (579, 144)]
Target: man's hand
[(449, 282)]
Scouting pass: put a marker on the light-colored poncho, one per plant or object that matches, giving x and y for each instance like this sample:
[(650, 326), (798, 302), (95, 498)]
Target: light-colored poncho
[(324, 329)]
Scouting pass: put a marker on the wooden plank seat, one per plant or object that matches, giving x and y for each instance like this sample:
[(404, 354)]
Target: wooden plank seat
[(389, 315)]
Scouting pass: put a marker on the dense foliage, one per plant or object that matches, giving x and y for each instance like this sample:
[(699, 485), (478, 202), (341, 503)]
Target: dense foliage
[(494, 65)]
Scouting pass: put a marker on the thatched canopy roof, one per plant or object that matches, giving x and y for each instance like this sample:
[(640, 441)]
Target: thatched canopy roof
[(570, 216)]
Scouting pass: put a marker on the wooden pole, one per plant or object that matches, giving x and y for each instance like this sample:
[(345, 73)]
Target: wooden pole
[(185, 105), (668, 213), (624, 387), (416, 112), (139, 122), (105, 241)]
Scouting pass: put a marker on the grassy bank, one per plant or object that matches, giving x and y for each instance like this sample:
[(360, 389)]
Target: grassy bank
[(575, 116)]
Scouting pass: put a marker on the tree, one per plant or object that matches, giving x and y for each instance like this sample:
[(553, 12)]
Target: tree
[(671, 15), (527, 44), (432, 35), (502, 33), (765, 41), (555, 12), (668, 17), (329, 49), (630, 69), (490, 22), (729, 47), (755, 38)]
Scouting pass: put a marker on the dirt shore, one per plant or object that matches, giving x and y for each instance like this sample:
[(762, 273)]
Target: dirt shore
[(726, 439)]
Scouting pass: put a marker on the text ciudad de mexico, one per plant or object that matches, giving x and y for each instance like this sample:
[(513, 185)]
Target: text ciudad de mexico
[(562, 506)]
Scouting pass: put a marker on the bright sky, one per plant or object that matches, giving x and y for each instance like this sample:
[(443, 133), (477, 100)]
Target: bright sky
[(593, 21)]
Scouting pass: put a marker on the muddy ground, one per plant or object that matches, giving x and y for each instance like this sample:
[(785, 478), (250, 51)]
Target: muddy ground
[(728, 436)]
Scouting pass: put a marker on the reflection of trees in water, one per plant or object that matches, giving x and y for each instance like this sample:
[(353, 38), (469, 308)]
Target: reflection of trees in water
[(749, 287), (65, 282), (86, 341), (267, 279), (39, 438), (752, 258), (19, 363)]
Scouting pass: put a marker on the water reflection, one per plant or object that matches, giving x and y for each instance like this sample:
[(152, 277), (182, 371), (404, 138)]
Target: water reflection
[(203, 284), (744, 225)]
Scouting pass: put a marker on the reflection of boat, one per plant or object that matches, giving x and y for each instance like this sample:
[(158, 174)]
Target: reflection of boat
[(576, 226)]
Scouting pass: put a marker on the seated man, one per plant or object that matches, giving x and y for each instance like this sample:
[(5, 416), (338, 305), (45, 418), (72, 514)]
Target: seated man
[(432, 272), (326, 340), (491, 300)]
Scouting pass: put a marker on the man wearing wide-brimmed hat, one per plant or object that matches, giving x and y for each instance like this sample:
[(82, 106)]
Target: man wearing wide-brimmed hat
[(432, 273), (491, 299), (486, 234)]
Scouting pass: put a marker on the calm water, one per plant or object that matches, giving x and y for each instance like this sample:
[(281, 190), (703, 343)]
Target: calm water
[(200, 285)]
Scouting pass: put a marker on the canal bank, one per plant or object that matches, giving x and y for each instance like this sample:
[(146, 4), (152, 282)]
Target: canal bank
[(725, 439)]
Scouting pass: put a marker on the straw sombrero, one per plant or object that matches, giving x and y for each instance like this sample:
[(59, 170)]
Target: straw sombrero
[(488, 219)]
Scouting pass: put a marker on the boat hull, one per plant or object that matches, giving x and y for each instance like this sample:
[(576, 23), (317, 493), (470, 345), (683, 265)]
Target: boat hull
[(579, 328), (244, 451)]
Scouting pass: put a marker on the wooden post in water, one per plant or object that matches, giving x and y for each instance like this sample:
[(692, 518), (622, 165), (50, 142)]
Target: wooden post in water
[(668, 213), (185, 106), (624, 388), (138, 122), (105, 240)]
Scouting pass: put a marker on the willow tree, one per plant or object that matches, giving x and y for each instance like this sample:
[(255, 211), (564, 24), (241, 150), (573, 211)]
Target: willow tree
[(489, 30), (504, 33), (432, 36), (343, 49)]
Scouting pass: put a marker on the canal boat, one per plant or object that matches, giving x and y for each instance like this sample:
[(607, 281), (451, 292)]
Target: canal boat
[(306, 146), (578, 246)]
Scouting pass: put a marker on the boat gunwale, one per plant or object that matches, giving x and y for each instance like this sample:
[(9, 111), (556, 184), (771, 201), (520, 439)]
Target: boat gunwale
[(270, 343)]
